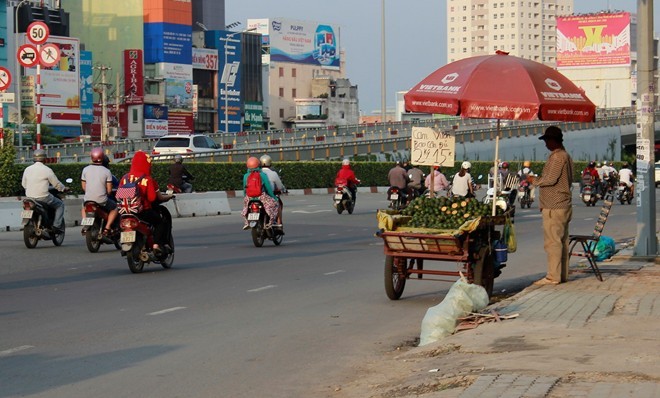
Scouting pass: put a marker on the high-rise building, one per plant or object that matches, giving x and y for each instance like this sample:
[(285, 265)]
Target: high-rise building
[(525, 29)]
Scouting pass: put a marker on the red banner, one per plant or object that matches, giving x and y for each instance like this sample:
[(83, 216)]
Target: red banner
[(133, 77), (593, 40), (180, 123)]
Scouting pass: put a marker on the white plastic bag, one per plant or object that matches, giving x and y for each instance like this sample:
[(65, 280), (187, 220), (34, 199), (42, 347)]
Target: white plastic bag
[(440, 320)]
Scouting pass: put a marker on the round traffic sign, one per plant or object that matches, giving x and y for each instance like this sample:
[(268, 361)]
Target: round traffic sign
[(49, 55), (5, 78), (38, 32), (27, 55)]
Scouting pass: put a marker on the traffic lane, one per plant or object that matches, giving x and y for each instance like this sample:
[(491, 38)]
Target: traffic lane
[(325, 306)]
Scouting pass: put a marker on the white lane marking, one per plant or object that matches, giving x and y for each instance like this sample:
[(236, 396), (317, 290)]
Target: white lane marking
[(589, 219), (310, 212), (259, 289), (334, 272), (165, 311), (15, 350)]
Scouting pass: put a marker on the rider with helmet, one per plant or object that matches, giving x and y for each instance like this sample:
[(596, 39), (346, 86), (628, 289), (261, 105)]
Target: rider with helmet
[(627, 177), (36, 180), (96, 182), (590, 177), (179, 175), (525, 172), (278, 187), (462, 182), (348, 175), (267, 196)]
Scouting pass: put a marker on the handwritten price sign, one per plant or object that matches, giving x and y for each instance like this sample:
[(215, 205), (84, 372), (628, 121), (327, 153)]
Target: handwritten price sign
[(432, 147)]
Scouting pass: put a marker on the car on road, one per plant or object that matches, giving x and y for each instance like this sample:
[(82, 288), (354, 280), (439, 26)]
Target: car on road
[(183, 144), (657, 173)]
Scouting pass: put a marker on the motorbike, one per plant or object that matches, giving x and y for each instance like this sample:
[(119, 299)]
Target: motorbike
[(96, 218), (524, 194), (343, 200), (623, 193), (589, 195), (397, 198), (136, 240), (501, 201), (37, 219), (171, 188), (257, 220)]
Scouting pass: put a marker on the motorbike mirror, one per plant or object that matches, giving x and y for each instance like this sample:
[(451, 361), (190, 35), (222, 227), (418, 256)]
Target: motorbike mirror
[(69, 180), (480, 176)]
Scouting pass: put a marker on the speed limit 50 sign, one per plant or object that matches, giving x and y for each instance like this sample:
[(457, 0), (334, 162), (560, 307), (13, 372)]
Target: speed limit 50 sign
[(38, 32)]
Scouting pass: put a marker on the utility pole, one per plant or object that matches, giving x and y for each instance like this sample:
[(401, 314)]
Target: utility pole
[(383, 80), (645, 242), (104, 104)]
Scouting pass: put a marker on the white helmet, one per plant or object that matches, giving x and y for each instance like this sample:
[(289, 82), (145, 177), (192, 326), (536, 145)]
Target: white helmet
[(466, 165), (266, 161), (345, 162)]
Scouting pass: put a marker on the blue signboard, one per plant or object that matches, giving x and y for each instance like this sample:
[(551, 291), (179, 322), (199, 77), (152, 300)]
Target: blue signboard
[(86, 89), (229, 84), (167, 42)]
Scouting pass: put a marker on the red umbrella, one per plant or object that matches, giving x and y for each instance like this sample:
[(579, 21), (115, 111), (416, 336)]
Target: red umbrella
[(500, 86)]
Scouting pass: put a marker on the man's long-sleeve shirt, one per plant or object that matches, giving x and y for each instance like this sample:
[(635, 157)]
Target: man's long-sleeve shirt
[(555, 181), (37, 178)]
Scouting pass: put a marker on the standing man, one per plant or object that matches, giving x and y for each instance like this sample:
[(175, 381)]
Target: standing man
[(555, 202)]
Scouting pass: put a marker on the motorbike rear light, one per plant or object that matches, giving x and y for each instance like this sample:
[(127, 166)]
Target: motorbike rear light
[(90, 207), (28, 205), (128, 223), (254, 207)]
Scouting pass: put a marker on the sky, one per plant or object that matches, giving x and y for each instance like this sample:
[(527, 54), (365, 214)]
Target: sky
[(415, 36)]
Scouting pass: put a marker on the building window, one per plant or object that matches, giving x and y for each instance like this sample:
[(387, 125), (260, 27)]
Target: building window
[(281, 72), (293, 93), (281, 113), (281, 92), (293, 72)]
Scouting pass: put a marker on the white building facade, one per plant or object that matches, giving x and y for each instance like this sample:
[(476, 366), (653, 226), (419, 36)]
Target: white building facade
[(525, 29)]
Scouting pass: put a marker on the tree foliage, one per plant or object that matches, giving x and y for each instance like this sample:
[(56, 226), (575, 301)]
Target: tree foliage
[(9, 174)]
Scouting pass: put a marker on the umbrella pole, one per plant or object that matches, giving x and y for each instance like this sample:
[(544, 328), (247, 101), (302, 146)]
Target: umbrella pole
[(496, 169)]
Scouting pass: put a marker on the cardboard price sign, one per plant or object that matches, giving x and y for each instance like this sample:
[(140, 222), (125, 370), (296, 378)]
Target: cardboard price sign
[(432, 146)]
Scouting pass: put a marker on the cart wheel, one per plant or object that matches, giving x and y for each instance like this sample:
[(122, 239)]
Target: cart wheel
[(484, 270), (395, 281)]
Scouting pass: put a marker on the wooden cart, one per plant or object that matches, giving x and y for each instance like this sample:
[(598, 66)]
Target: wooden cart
[(473, 253)]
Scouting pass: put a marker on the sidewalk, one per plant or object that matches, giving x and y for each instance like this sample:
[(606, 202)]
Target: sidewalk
[(580, 339)]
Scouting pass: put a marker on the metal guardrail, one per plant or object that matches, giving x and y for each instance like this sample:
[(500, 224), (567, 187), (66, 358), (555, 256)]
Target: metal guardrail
[(293, 142)]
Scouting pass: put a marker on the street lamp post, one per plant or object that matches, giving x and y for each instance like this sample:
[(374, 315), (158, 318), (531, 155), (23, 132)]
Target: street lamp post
[(226, 73), (18, 76)]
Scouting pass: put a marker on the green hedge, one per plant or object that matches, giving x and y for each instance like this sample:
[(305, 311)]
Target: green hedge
[(229, 176)]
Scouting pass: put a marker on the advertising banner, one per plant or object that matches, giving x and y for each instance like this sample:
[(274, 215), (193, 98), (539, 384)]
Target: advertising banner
[(113, 120), (205, 58), (593, 40), (167, 42), (60, 83), (155, 120), (304, 42), (133, 77), (254, 116), (86, 89), (229, 116)]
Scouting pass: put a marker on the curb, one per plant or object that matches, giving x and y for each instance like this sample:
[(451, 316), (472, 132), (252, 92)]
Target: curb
[(313, 191)]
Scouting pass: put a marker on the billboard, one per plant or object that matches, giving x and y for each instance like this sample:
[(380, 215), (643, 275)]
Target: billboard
[(593, 40), (133, 77), (229, 88), (303, 42), (155, 120), (178, 97), (60, 86), (167, 42), (86, 89), (205, 58)]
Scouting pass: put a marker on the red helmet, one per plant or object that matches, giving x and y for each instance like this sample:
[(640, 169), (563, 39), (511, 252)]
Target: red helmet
[(97, 155), (253, 163), (505, 165)]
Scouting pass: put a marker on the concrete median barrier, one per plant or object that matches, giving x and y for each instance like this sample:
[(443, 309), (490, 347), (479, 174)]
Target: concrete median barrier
[(184, 205)]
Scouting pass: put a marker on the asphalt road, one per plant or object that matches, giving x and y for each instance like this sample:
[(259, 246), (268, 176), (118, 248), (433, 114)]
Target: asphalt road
[(229, 319)]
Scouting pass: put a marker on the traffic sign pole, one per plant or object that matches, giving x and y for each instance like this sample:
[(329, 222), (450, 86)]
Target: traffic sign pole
[(38, 99)]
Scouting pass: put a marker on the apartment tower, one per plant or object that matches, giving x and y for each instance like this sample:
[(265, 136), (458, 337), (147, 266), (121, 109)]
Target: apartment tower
[(525, 29)]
